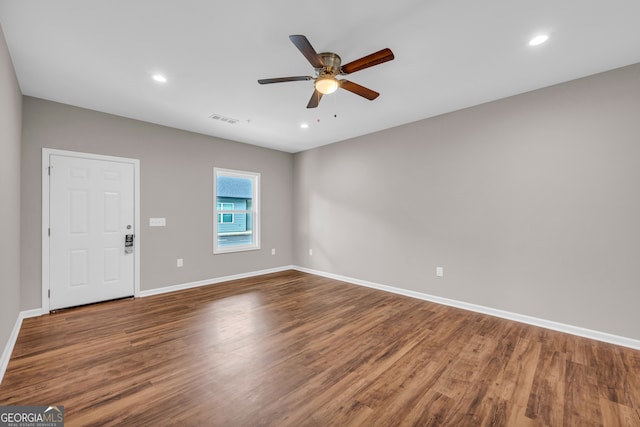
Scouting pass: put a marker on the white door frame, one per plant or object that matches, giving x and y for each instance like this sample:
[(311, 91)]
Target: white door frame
[(46, 152)]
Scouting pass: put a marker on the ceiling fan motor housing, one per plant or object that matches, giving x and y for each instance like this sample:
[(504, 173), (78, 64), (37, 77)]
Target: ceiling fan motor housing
[(331, 63)]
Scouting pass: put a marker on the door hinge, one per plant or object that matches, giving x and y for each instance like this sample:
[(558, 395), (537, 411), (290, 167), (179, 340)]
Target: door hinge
[(49, 170), (49, 232), (49, 293)]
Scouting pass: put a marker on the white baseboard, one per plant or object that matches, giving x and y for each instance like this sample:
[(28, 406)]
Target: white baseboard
[(548, 324), (180, 287), (11, 342), (31, 313)]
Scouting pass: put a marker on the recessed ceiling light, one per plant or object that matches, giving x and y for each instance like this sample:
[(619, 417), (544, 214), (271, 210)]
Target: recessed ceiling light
[(159, 78), (538, 40), (304, 125)]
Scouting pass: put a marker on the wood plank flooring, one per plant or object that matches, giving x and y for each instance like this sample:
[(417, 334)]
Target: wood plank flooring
[(293, 349)]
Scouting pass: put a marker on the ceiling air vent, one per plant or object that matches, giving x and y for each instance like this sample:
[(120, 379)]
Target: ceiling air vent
[(224, 119)]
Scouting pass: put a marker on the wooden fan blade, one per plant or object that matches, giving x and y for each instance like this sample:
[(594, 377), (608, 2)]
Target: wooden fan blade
[(284, 79), (376, 58), (315, 99), (307, 50), (359, 90)]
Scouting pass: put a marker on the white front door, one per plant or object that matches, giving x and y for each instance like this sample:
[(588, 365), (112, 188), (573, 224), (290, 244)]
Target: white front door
[(91, 211)]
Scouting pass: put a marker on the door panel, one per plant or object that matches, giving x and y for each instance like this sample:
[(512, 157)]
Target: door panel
[(78, 267), (91, 209)]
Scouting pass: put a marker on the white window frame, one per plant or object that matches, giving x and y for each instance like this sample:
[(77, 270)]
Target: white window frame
[(254, 211)]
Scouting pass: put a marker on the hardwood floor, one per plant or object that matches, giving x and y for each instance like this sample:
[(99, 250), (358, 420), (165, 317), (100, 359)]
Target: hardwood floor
[(292, 349)]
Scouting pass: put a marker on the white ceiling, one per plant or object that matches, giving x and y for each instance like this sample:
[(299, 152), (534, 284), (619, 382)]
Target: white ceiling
[(449, 54)]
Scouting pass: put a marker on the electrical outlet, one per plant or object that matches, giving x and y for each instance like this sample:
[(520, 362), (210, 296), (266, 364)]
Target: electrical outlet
[(310, 251), (180, 262), (273, 251), (439, 271)]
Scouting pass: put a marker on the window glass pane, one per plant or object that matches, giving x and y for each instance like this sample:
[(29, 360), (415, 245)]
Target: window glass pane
[(240, 233), (230, 240), (232, 187)]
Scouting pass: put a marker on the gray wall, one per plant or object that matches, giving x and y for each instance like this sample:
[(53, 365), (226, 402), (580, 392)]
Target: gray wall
[(531, 204), (176, 183), (10, 128)]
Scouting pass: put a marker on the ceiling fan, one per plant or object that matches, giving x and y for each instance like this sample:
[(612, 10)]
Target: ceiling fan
[(327, 66)]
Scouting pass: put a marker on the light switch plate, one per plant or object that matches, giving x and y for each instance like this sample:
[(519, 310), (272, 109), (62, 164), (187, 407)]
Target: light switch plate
[(157, 222)]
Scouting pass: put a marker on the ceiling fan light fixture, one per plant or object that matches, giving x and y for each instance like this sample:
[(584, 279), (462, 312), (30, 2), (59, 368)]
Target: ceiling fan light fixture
[(326, 85), (538, 40)]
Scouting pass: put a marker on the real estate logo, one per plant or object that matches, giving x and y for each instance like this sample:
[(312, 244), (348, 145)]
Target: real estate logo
[(31, 416)]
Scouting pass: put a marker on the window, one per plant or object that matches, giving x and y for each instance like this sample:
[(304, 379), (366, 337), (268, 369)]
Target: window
[(236, 220), (224, 218)]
